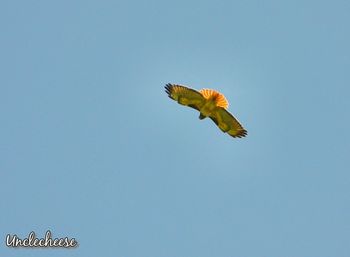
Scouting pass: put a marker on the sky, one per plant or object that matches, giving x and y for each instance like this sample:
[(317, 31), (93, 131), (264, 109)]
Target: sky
[(92, 148)]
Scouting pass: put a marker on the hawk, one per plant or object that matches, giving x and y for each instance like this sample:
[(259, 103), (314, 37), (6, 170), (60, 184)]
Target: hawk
[(209, 103)]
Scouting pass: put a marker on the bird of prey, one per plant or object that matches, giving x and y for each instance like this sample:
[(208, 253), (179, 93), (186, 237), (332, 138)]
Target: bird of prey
[(209, 103)]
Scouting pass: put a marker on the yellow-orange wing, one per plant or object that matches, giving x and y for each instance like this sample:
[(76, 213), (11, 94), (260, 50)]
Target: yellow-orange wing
[(227, 122), (185, 96)]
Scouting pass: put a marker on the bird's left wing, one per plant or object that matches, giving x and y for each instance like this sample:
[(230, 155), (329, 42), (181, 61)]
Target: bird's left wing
[(227, 122), (185, 96)]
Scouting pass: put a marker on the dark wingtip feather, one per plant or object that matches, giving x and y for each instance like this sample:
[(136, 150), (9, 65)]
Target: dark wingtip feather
[(168, 89), (241, 134)]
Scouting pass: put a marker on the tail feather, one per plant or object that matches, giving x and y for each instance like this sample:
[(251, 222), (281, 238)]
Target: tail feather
[(219, 98)]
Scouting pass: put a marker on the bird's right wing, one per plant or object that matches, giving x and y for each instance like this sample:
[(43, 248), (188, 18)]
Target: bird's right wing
[(228, 123)]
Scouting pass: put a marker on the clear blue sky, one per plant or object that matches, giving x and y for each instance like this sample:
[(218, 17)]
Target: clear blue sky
[(92, 148)]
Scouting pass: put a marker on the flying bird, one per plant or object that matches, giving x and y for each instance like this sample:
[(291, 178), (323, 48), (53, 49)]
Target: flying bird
[(209, 103)]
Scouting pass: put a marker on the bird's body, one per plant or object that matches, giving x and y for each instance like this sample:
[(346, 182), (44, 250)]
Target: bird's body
[(208, 108), (209, 103)]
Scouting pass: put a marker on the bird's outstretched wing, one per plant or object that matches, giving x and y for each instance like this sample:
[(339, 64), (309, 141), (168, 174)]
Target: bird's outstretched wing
[(227, 123), (185, 96)]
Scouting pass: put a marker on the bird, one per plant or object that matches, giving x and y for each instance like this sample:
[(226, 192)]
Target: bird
[(210, 103)]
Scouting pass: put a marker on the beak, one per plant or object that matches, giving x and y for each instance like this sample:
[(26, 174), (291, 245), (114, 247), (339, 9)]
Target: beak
[(201, 116)]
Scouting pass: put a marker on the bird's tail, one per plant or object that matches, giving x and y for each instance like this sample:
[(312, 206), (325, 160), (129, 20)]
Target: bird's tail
[(219, 98)]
